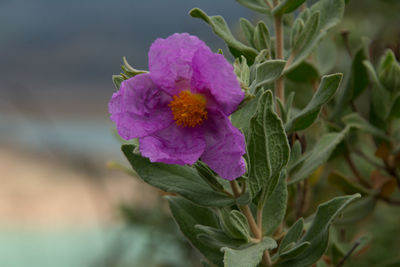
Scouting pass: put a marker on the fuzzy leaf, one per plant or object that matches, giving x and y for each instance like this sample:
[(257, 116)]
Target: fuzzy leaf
[(248, 30), (309, 114), (295, 251), (117, 80), (389, 71), (317, 156), (249, 256), (292, 235), (318, 233), (187, 215), (304, 72), (268, 72), (256, 5), (182, 180), (331, 12), (346, 185), (359, 210), (356, 84), (241, 118), (380, 96), (221, 29), (275, 207), (287, 6), (356, 121), (261, 37), (267, 146)]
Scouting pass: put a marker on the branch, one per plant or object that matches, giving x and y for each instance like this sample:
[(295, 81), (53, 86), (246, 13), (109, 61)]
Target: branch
[(347, 256), (356, 172)]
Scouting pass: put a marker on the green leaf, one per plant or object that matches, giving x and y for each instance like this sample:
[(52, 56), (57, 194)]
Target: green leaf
[(208, 176), (346, 185), (317, 156), (182, 180), (318, 233), (241, 118), (221, 29), (389, 71), (395, 110), (331, 12), (297, 29), (242, 71), (359, 210), (267, 146), (309, 114), (241, 224), (295, 155), (292, 235), (256, 5), (216, 238), (306, 37), (380, 96), (287, 6), (249, 256), (357, 82), (248, 30), (234, 227), (262, 38), (304, 72), (187, 215), (268, 72), (274, 209), (295, 251), (117, 80), (356, 121)]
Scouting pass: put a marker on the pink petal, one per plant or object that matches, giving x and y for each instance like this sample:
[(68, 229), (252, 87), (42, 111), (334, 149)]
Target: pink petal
[(212, 74), (225, 147), (173, 145), (170, 61), (139, 108)]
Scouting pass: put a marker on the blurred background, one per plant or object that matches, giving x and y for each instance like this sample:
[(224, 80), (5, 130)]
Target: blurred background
[(59, 203)]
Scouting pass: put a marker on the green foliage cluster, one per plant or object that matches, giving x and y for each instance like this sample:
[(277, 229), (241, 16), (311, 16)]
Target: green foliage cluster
[(260, 219)]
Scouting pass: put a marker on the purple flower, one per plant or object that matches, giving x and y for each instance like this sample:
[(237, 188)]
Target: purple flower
[(179, 110)]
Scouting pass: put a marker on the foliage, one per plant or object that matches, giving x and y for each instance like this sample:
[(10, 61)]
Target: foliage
[(265, 217)]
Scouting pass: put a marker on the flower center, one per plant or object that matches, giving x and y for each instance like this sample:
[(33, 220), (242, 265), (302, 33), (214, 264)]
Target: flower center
[(189, 109)]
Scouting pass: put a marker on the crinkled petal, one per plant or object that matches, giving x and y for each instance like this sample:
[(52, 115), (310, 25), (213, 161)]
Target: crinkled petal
[(212, 74), (170, 61), (225, 147), (174, 145), (139, 108)]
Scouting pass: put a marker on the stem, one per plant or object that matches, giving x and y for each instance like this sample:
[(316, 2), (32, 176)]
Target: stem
[(279, 86), (268, 4), (366, 158), (356, 172), (255, 229), (392, 171), (246, 211), (390, 201), (341, 262)]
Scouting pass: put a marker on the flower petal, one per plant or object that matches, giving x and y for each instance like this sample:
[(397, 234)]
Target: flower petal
[(170, 61), (214, 75), (225, 147), (173, 145), (139, 108)]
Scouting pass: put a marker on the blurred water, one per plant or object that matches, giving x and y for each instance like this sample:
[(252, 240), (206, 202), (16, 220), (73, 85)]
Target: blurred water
[(92, 138), (111, 247)]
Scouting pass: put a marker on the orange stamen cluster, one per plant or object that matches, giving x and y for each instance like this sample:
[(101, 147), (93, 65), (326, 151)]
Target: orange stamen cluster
[(189, 109)]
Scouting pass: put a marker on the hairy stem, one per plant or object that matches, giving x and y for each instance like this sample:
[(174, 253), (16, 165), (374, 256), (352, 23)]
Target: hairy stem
[(256, 228), (278, 23), (246, 211)]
